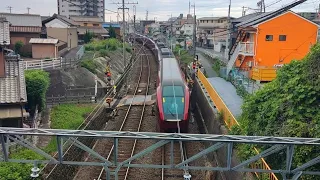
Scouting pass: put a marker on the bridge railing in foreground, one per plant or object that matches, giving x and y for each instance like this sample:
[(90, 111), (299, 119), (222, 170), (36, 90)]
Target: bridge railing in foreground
[(230, 120), (276, 144)]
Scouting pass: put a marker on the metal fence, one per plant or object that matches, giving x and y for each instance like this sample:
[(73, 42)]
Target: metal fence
[(80, 52), (81, 99), (240, 79)]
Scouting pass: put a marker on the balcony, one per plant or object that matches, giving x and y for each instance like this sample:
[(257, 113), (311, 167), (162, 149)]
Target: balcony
[(246, 48)]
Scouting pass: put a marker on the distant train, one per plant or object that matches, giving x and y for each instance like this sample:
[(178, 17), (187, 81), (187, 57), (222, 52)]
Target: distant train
[(173, 97)]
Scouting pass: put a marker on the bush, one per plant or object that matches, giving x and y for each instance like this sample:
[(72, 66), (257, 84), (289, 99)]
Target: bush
[(37, 82), (17, 46), (90, 65), (103, 53), (217, 65), (18, 171), (97, 45), (286, 107)]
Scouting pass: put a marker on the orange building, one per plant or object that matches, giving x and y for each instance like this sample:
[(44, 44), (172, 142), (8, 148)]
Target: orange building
[(268, 41)]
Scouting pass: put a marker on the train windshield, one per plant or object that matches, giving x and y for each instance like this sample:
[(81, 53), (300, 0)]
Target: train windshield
[(173, 102)]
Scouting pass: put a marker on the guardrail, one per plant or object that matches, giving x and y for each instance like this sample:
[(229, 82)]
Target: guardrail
[(43, 64), (230, 120), (228, 117)]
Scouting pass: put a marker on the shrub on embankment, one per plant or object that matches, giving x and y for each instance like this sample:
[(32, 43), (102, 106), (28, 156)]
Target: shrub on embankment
[(183, 56), (288, 106), (37, 82), (68, 116)]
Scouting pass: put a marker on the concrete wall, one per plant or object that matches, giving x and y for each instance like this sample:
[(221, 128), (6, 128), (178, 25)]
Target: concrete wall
[(212, 126), (67, 35), (40, 51)]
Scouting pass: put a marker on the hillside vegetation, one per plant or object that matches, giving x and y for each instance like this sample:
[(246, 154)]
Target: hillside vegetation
[(287, 106)]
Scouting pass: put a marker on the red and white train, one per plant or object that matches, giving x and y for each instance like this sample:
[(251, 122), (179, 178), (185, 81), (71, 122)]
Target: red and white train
[(173, 97)]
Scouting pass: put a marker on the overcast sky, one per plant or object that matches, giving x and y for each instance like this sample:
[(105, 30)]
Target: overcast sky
[(161, 9)]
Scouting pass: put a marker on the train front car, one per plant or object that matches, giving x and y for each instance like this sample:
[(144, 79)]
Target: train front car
[(172, 98)]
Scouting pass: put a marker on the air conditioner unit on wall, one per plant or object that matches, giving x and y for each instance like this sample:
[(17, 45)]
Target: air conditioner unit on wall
[(249, 64)]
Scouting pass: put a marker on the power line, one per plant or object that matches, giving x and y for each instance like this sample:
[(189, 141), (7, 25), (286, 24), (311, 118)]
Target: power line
[(124, 34)]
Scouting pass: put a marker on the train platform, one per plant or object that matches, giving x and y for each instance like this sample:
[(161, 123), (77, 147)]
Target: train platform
[(228, 94)]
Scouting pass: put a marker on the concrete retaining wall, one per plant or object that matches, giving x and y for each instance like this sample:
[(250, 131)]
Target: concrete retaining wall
[(206, 116)]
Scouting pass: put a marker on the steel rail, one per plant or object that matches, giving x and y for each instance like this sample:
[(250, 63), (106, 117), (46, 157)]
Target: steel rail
[(95, 111), (127, 114)]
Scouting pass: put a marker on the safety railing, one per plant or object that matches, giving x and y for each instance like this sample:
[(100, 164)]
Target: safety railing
[(247, 48), (228, 117), (230, 121)]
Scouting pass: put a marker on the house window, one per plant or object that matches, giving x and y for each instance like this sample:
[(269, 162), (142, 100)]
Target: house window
[(282, 37), (269, 37), (85, 24), (95, 24), (207, 21)]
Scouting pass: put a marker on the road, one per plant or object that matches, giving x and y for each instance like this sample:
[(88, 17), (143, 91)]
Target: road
[(207, 64)]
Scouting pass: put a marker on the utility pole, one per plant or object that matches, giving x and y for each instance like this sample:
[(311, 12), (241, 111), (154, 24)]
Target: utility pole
[(124, 36), (228, 35), (147, 13), (189, 6), (194, 31), (243, 11), (10, 8), (28, 10)]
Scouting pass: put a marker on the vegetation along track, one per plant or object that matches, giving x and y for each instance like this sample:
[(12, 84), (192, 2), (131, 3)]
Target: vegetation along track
[(132, 121)]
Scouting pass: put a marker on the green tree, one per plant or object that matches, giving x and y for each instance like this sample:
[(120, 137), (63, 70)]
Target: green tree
[(88, 36), (37, 82), (17, 47), (112, 32), (288, 107)]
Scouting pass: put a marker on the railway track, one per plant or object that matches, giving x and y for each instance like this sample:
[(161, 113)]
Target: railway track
[(179, 154), (126, 148), (131, 122)]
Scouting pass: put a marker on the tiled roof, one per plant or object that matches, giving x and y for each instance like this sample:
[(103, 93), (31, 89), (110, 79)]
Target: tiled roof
[(269, 15), (95, 30), (23, 19), (246, 17), (86, 18), (4, 32), (43, 41), (64, 19), (9, 86)]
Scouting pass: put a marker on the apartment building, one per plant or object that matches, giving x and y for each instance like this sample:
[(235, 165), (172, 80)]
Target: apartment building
[(210, 30), (81, 8)]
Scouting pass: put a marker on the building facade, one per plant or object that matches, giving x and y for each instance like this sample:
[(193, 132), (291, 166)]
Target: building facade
[(211, 30), (262, 48), (62, 28), (22, 28), (81, 8)]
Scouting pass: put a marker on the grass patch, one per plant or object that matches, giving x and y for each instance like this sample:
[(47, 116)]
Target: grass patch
[(67, 116), (89, 64)]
